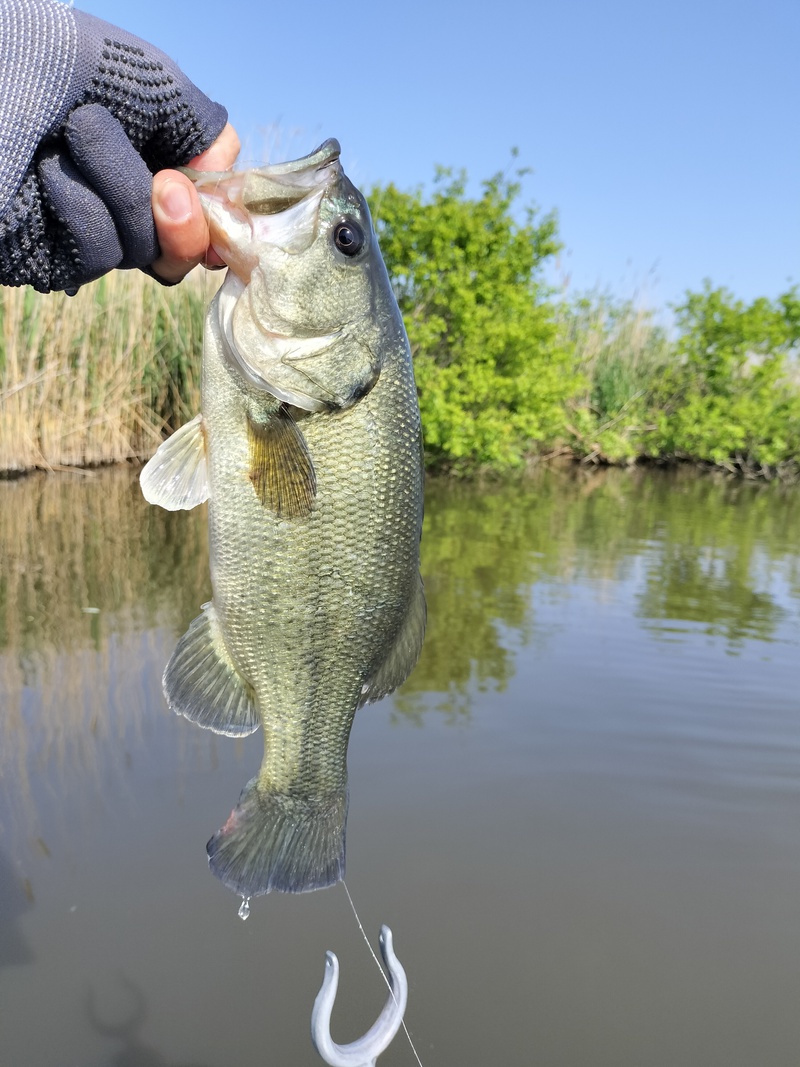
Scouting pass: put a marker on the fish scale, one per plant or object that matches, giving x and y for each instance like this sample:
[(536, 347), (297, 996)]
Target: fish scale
[(314, 506)]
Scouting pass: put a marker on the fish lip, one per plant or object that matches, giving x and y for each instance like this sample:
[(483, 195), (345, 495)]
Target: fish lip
[(324, 157)]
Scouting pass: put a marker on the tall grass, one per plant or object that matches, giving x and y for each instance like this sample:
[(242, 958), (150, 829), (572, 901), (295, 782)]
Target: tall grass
[(102, 377), (96, 378), (620, 352)]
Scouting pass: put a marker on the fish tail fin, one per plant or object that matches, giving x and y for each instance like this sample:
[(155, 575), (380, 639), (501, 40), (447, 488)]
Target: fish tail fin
[(279, 842)]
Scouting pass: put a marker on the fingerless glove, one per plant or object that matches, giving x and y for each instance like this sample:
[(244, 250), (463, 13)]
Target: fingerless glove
[(88, 113)]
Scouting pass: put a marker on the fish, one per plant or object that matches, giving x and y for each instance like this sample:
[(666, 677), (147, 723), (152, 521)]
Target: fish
[(308, 449)]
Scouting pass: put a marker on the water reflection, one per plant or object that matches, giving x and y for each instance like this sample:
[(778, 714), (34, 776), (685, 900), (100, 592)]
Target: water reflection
[(723, 552), (616, 801), (126, 1031), (16, 897), (701, 550), (85, 560), (90, 577), (74, 542)]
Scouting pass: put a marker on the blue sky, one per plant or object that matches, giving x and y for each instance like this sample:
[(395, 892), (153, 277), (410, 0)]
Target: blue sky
[(665, 136)]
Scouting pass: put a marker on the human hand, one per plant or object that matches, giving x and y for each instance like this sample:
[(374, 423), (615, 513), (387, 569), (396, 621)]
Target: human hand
[(88, 113), (180, 223)]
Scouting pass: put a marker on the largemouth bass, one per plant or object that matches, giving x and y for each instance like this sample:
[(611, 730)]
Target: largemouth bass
[(308, 450)]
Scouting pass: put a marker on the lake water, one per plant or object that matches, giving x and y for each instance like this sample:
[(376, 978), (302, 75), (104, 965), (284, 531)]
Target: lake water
[(580, 816)]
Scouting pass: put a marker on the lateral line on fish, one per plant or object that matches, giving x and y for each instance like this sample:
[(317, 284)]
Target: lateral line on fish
[(382, 972)]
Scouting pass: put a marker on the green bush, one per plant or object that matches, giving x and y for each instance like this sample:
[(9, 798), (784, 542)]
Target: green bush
[(505, 369), (730, 394), (492, 372)]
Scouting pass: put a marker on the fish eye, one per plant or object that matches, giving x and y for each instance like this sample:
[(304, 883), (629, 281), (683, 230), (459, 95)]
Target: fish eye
[(348, 237)]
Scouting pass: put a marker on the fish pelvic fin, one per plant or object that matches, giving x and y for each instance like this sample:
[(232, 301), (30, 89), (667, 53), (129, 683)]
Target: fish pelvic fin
[(275, 842), (201, 681), (404, 652), (176, 477), (281, 468)]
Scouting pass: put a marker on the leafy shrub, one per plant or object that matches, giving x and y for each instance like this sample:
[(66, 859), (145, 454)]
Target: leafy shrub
[(730, 394), (492, 372)]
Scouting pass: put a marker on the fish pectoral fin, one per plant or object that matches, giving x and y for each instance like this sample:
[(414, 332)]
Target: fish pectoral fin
[(176, 477), (403, 654), (201, 681), (281, 468)]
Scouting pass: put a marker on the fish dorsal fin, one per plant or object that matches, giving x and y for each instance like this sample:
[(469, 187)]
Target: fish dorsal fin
[(281, 469), (404, 652), (176, 477), (202, 682)]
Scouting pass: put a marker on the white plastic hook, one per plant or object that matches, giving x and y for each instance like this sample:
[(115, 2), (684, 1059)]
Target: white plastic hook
[(364, 1050)]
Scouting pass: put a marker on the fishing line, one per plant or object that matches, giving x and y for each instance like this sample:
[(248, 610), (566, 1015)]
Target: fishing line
[(382, 972)]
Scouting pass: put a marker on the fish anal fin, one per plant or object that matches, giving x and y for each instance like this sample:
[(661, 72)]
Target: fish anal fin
[(201, 681), (278, 842), (281, 469), (176, 477), (404, 652)]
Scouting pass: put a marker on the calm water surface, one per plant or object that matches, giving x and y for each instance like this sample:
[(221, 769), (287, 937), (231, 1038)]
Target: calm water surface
[(581, 815)]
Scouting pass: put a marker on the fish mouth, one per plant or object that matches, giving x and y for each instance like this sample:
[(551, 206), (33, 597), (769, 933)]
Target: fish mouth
[(274, 187), (277, 203)]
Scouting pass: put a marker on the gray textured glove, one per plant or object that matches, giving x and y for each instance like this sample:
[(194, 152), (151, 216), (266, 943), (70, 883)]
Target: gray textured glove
[(87, 114)]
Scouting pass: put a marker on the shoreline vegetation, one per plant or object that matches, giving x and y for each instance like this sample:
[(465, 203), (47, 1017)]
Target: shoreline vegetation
[(100, 377), (508, 369)]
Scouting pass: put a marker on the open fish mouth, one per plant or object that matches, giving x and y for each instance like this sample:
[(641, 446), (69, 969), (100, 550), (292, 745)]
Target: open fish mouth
[(277, 204), (265, 188), (274, 187)]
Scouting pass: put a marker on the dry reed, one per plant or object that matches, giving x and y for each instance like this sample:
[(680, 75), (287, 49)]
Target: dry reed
[(96, 378), (624, 335)]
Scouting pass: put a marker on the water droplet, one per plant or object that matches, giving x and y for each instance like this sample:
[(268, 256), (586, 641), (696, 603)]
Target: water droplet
[(244, 908)]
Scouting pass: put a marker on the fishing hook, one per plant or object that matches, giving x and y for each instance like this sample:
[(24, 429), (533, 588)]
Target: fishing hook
[(364, 1050)]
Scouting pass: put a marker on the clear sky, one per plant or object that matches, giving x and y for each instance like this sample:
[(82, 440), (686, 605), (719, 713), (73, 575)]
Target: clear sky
[(665, 135)]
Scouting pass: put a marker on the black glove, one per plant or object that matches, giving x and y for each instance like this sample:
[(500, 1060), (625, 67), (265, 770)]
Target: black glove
[(87, 114)]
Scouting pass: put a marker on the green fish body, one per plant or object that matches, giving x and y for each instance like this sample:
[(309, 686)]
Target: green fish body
[(308, 450)]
